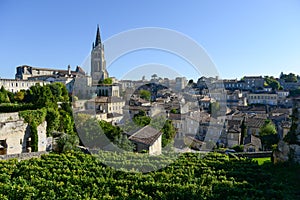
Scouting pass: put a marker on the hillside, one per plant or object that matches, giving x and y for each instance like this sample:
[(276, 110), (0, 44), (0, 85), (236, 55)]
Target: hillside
[(193, 176)]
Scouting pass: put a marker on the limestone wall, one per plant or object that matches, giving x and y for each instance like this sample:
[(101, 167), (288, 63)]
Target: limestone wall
[(14, 132), (23, 156), (42, 136), (5, 117)]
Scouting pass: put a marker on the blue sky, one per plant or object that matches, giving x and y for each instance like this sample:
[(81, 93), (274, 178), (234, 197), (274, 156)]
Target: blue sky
[(250, 37)]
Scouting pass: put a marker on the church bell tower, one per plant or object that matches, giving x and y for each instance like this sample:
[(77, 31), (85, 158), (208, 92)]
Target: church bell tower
[(98, 63)]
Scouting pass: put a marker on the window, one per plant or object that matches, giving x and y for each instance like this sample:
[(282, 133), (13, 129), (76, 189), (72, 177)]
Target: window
[(21, 141)]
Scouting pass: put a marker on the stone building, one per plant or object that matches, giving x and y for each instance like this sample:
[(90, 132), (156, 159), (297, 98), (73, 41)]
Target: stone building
[(147, 138), (233, 84), (234, 134), (263, 98), (26, 72), (252, 144), (180, 83), (98, 63), (253, 125), (15, 135), (14, 85), (253, 82)]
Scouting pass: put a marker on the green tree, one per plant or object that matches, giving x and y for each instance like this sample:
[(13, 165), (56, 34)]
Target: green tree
[(107, 81), (174, 111), (53, 120), (32, 95), (56, 91), (169, 133), (243, 131), (115, 135), (268, 135), (238, 148), (141, 119), (67, 142), (19, 96), (90, 132), (11, 97), (145, 94), (124, 143), (289, 77), (109, 130), (46, 98), (295, 92), (4, 96), (267, 129), (66, 122), (291, 137), (272, 82)]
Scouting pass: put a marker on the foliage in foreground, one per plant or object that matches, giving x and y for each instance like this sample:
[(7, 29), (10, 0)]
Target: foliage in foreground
[(81, 176)]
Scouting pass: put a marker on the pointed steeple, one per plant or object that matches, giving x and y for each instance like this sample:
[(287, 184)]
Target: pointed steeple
[(98, 38)]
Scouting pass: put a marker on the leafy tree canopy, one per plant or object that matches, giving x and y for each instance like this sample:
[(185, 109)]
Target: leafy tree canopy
[(107, 81), (145, 94), (272, 82), (289, 77), (267, 129)]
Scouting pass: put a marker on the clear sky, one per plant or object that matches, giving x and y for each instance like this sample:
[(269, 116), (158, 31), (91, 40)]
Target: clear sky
[(249, 37)]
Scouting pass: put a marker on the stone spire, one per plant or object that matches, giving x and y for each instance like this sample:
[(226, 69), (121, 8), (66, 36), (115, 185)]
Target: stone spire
[(98, 38)]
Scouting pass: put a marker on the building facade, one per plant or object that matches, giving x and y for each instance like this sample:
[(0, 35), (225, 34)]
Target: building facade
[(263, 98), (253, 82), (14, 85)]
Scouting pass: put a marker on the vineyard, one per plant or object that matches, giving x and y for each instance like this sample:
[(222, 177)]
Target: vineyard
[(75, 175)]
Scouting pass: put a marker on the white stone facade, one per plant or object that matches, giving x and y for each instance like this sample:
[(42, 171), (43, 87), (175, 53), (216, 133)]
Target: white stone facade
[(263, 98), (13, 85)]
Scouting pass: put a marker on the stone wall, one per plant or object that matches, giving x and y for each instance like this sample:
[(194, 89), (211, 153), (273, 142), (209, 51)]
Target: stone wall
[(14, 134), (286, 152), (23, 156), (5, 117)]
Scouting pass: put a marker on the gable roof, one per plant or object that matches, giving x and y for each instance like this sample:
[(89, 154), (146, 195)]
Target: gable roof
[(234, 129), (146, 135), (234, 122), (255, 122), (251, 139)]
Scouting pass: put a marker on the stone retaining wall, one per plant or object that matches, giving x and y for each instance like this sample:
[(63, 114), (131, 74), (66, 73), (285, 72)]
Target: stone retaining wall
[(23, 156), (262, 154)]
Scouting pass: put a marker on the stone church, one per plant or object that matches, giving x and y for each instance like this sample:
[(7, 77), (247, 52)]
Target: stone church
[(98, 63)]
